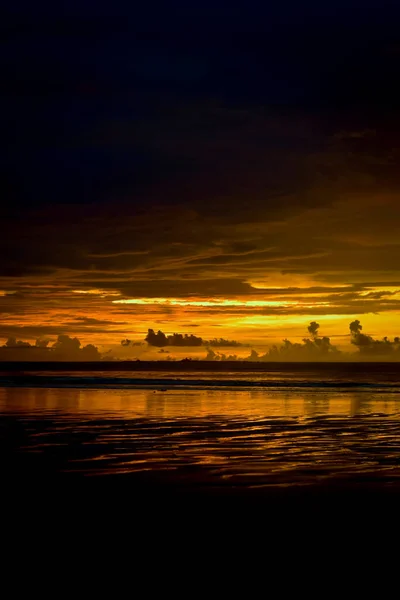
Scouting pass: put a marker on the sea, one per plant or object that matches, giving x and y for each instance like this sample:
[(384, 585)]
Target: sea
[(273, 427)]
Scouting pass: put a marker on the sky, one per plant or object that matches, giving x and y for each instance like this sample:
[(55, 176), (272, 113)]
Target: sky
[(223, 170)]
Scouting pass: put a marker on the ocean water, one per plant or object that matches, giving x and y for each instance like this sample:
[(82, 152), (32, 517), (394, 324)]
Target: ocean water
[(282, 427)]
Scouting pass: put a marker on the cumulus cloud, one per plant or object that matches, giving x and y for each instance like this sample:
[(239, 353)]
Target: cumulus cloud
[(42, 343), (313, 329), (12, 342), (355, 327), (368, 346), (219, 356), (65, 348), (318, 348), (311, 349), (68, 348), (127, 342), (223, 343), (160, 340), (314, 349)]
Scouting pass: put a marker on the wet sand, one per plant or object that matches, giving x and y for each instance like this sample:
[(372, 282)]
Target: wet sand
[(246, 457)]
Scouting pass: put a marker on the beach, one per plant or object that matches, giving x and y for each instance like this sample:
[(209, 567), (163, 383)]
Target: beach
[(284, 434), (172, 460)]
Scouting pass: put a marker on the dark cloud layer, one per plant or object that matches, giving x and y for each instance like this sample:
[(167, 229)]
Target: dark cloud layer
[(200, 150)]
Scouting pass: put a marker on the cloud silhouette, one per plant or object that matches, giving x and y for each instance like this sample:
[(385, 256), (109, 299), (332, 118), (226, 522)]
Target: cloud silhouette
[(161, 340), (12, 342), (64, 349), (314, 349), (313, 329), (219, 356), (42, 343), (355, 327), (309, 350), (126, 343), (222, 343), (368, 346)]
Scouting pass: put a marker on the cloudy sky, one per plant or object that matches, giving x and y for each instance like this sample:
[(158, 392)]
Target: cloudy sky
[(210, 168)]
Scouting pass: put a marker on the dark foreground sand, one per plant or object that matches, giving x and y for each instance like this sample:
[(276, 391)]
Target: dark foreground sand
[(155, 498), (125, 520)]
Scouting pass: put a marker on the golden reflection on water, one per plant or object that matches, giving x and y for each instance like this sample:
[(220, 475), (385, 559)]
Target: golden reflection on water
[(172, 404), (211, 437)]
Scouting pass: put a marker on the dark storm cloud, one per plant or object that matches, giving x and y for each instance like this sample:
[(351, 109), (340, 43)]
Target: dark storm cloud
[(192, 160), (295, 248), (347, 309), (254, 259), (186, 287)]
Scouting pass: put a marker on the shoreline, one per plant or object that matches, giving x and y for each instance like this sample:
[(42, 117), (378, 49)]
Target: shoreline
[(191, 365)]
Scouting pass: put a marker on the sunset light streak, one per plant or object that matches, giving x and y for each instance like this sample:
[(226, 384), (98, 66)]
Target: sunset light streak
[(217, 302)]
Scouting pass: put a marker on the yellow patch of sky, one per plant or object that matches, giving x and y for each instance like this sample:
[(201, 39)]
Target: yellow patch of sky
[(383, 288), (253, 329), (97, 292), (214, 302)]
